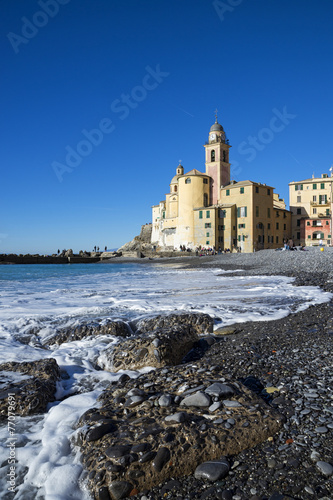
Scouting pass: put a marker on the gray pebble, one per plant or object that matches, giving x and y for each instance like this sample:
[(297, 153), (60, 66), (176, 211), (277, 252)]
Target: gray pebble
[(325, 468), (213, 470)]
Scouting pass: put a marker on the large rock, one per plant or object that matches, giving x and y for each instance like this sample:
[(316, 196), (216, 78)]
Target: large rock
[(117, 328), (30, 393), (199, 322), (160, 341), (160, 438), (139, 243)]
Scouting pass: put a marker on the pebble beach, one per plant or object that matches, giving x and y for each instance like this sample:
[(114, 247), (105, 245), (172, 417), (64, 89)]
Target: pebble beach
[(287, 362)]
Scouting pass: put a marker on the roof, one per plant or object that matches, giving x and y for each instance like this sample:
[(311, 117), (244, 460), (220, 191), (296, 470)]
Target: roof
[(247, 183), (194, 172), (216, 127), (313, 179)]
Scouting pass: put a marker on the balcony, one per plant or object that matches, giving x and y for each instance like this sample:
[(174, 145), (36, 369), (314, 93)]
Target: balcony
[(319, 203)]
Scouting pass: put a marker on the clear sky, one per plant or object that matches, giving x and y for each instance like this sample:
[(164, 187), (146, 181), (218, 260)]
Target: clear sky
[(100, 99)]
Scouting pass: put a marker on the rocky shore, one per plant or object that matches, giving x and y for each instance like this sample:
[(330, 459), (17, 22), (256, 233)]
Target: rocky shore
[(288, 365), (240, 413)]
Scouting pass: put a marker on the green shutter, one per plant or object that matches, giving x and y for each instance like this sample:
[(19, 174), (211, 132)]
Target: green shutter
[(238, 212), (228, 192), (200, 214), (245, 215)]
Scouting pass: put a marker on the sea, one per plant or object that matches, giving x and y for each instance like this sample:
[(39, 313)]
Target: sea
[(37, 300)]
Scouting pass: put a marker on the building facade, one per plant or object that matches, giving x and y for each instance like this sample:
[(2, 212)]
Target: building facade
[(209, 210), (311, 207)]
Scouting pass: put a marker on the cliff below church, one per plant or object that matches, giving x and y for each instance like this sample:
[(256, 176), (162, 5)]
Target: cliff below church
[(139, 244)]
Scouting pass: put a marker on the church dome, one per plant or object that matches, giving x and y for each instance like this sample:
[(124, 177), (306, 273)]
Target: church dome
[(216, 127)]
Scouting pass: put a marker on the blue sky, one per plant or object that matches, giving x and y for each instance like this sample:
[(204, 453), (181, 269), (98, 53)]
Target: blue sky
[(100, 99)]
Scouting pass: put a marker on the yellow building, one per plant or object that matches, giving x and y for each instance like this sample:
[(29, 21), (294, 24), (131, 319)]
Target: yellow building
[(311, 206), (207, 210)]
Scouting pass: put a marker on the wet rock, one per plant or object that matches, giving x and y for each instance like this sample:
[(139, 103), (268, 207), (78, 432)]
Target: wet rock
[(155, 443), (325, 468), (220, 390), (120, 489), (199, 399), (116, 328), (213, 470), (162, 457), (165, 345), (32, 394)]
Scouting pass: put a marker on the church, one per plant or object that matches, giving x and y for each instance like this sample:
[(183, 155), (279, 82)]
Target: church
[(208, 210)]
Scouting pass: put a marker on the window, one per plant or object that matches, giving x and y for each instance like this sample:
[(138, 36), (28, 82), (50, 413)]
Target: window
[(277, 214), (207, 242), (325, 177), (314, 198), (269, 213), (225, 157), (268, 192), (239, 238), (205, 181), (299, 211), (298, 222), (242, 212), (257, 189), (208, 224), (314, 186), (163, 215), (212, 155), (322, 185), (298, 187), (299, 199), (188, 181), (259, 238), (257, 211), (277, 239), (314, 211), (284, 226), (243, 237), (222, 214), (241, 226), (327, 223), (277, 225), (175, 189), (308, 223), (207, 235), (322, 199), (309, 237), (205, 200), (208, 214), (227, 192), (241, 190), (327, 211), (298, 236), (268, 226), (200, 214)]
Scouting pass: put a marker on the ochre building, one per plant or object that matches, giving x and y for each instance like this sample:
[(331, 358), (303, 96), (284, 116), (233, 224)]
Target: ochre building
[(208, 210), (311, 207)]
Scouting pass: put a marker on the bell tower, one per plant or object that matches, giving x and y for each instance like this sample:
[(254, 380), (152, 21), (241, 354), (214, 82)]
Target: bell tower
[(217, 159)]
